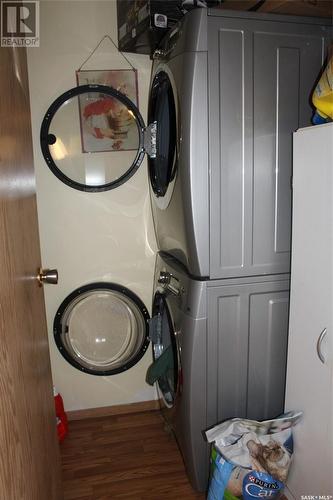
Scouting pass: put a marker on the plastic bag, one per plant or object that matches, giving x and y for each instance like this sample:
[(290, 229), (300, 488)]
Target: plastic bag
[(250, 459), (322, 96)]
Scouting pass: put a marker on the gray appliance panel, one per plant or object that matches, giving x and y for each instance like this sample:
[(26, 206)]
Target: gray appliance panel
[(187, 417), (261, 74), (182, 226), (246, 353), (267, 357), (189, 35), (190, 419)]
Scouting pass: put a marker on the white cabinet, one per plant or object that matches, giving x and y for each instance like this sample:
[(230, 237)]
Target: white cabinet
[(309, 379)]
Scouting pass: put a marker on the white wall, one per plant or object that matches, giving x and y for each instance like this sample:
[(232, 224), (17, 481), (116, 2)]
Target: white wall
[(89, 236)]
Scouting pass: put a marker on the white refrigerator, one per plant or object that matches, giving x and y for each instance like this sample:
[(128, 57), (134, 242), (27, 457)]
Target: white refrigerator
[(310, 352)]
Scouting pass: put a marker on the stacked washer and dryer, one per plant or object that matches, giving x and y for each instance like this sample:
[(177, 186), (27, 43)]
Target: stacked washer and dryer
[(227, 91)]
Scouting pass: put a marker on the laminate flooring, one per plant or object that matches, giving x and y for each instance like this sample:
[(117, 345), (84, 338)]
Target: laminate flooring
[(123, 457)]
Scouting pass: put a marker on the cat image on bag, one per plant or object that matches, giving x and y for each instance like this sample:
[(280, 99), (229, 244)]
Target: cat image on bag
[(272, 458)]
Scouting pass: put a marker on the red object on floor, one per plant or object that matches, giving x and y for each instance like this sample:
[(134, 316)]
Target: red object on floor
[(61, 430), (62, 421)]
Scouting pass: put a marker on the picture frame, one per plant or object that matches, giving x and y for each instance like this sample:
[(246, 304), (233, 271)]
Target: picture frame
[(105, 123)]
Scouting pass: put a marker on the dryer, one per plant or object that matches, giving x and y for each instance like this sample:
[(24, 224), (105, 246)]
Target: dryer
[(179, 184), (224, 207)]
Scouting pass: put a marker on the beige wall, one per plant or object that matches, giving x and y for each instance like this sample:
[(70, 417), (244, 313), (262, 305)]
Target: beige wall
[(89, 236)]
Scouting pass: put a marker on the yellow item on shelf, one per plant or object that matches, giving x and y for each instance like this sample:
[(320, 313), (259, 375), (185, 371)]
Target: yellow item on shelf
[(322, 97)]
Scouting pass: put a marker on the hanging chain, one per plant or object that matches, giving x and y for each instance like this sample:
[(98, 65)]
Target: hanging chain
[(97, 46)]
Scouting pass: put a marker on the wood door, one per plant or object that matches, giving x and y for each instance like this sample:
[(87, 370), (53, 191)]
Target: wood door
[(29, 456)]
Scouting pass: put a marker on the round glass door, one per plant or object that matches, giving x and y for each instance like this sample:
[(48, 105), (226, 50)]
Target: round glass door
[(92, 138), (162, 110), (165, 344), (102, 329)]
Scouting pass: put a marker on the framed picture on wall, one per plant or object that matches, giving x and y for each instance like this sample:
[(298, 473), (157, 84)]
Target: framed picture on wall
[(106, 124)]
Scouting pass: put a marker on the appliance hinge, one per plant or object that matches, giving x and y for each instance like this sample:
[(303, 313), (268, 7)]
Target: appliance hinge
[(149, 139)]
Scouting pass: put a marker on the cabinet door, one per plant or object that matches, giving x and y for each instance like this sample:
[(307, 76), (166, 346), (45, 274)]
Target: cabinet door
[(268, 339), (247, 349), (261, 74), (309, 380)]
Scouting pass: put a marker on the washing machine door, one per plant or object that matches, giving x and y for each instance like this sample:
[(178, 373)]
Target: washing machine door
[(102, 328), (92, 119), (162, 110), (164, 342)]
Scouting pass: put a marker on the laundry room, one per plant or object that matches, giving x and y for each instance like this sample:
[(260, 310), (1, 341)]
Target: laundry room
[(166, 201)]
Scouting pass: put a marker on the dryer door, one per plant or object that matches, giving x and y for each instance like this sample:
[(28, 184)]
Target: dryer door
[(164, 343), (95, 119), (162, 110)]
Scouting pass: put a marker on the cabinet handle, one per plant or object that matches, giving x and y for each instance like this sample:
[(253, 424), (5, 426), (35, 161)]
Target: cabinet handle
[(319, 342)]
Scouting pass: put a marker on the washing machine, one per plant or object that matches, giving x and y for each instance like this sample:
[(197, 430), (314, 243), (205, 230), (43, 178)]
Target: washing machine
[(216, 334), (179, 326)]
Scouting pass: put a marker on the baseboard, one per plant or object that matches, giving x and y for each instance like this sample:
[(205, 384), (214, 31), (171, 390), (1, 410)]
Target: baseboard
[(107, 411)]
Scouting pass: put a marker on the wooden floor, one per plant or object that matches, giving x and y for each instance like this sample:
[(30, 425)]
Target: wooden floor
[(123, 456)]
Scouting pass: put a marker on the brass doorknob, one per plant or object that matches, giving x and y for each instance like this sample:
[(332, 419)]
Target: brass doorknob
[(49, 276)]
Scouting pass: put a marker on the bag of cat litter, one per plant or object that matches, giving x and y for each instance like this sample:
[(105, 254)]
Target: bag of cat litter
[(250, 459)]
